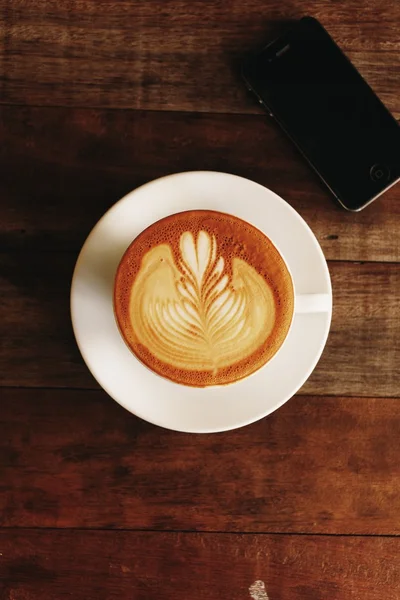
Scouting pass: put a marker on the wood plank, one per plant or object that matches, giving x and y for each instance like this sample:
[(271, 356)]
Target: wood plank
[(148, 566), (75, 164), (174, 55), (363, 349), (317, 465), (39, 349)]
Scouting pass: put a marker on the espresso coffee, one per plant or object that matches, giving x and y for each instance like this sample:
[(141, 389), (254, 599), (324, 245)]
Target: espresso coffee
[(203, 298)]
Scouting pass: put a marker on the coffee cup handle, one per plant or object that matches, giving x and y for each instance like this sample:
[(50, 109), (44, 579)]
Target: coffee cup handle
[(313, 303)]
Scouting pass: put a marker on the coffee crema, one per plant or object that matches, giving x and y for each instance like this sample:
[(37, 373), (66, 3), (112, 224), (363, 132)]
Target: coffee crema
[(203, 298)]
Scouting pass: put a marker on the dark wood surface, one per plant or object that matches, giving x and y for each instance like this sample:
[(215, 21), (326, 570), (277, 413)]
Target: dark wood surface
[(96, 98), (104, 565), (174, 54), (318, 465)]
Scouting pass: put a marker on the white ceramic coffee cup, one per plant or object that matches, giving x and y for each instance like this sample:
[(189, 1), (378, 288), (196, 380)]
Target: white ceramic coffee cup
[(302, 303)]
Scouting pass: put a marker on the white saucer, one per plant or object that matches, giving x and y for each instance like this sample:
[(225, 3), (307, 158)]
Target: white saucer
[(150, 396)]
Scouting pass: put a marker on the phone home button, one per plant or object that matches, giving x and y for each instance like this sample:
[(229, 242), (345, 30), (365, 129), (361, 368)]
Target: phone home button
[(379, 172)]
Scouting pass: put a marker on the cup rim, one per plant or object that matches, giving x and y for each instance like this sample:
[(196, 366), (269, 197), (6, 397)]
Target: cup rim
[(228, 383)]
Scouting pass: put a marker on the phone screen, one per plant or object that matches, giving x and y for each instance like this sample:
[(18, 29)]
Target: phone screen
[(330, 112)]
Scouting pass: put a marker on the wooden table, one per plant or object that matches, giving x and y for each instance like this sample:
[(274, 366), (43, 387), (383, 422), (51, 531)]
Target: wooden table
[(98, 97)]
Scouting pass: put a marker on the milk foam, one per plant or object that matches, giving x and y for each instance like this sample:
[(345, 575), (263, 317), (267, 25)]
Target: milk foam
[(196, 314)]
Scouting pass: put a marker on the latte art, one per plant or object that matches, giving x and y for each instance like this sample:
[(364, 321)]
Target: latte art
[(203, 298), (193, 315)]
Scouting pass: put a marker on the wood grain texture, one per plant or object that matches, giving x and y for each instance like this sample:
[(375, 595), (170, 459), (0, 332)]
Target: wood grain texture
[(60, 169), (150, 566), (174, 55), (72, 459), (361, 356), (317, 465)]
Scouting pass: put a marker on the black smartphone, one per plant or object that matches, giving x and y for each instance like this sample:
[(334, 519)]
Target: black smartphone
[(317, 96)]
